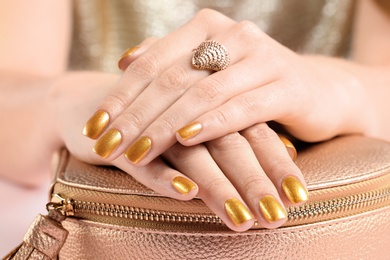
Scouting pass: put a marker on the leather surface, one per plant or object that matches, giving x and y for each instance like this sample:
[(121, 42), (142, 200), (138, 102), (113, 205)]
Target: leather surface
[(365, 236), (339, 161), (326, 166), (43, 240)]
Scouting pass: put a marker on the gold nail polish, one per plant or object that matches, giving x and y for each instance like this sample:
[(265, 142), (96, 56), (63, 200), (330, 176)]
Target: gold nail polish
[(190, 130), (138, 150), (108, 143), (237, 211), (294, 190), (271, 209), (96, 124), (290, 147), (183, 185), (127, 53)]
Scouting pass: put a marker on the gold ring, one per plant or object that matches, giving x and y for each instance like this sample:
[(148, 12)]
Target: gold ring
[(210, 55)]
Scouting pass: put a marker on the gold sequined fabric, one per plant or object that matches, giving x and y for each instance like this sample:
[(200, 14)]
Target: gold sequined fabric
[(103, 29)]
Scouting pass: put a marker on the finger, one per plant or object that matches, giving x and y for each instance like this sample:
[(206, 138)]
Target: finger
[(161, 178), (131, 54), (258, 105), (214, 188), (161, 55), (276, 162), (236, 159)]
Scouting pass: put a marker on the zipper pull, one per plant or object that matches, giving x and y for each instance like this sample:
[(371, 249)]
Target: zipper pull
[(46, 236)]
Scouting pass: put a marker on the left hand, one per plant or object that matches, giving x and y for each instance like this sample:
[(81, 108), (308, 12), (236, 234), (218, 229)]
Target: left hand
[(232, 174), (161, 92)]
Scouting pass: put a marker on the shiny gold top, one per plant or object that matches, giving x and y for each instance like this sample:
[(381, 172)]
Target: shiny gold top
[(103, 29)]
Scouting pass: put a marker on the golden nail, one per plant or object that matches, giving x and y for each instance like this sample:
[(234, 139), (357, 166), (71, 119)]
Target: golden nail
[(271, 209), (183, 185), (290, 147), (96, 124), (294, 190), (127, 53), (237, 211), (108, 143), (190, 130), (138, 150)]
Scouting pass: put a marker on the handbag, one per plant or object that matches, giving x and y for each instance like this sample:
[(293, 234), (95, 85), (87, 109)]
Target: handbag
[(106, 214)]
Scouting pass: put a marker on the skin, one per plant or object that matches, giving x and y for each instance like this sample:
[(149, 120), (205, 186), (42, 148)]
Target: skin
[(348, 97)]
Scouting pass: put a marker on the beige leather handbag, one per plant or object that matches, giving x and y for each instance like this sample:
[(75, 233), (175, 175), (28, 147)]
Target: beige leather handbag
[(106, 214)]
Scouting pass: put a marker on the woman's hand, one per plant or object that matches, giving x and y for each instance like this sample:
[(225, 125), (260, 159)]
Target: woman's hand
[(253, 167), (242, 177), (162, 98)]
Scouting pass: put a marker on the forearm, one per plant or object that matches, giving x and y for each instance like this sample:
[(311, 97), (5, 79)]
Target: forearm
[(362, 95), (26, 131)]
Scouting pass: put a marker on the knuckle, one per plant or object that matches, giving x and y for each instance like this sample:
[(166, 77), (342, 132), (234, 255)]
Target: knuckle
[(145, 66), (220, 117), (228, 142), (248, 29), (209, 90), (259, 134), (172, 80), (206, 14), (249, 105), (167, 124), (133, 119), (119, 98)]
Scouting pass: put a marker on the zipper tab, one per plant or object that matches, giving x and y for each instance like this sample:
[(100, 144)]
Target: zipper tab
[(62, 204)]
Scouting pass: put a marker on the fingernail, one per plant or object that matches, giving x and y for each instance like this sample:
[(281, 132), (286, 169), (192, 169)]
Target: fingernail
[(271, 209), (190, 130), (290, 147), (237, 211), (183, 185), (138, 150), (294, 190), (108, 143), (96, 124), (127, 53)]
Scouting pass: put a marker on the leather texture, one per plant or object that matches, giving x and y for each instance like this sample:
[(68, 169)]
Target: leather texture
[(329, 166), (364, 236), (43, 240)]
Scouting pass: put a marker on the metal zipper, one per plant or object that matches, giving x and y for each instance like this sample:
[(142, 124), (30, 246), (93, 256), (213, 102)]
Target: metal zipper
[(317, 209)]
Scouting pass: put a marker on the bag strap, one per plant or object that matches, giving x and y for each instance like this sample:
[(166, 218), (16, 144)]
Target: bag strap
[(43, 240)]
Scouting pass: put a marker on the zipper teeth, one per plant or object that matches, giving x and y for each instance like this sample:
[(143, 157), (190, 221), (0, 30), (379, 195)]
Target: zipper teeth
[(317, 209), (135, 213), (353, 202)]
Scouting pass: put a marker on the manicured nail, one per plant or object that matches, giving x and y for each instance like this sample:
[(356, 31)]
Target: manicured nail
[(190, 130), (127, 53), (290, 147), (294, 190), (138, 150), (271, 209), (96, 124), (183, 185), (108, 143), (237, 211)]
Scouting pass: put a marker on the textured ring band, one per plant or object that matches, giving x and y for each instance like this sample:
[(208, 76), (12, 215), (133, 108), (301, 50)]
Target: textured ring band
[(210, 55)]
